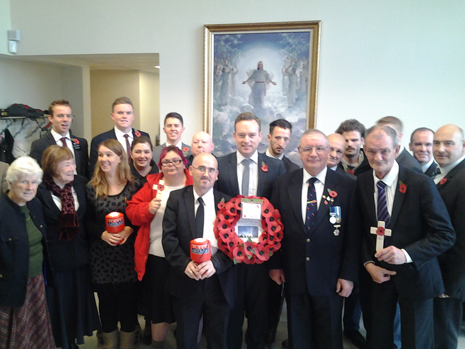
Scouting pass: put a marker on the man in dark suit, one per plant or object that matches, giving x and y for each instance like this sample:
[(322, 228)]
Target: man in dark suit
[(199, 289), (123, 116), (173, 128), (61, 118), (421, 145), (404, 158), (254, 174), (354, 160), (279, 137), (449, 152), (201, 143), (319, 258), (405, 227)]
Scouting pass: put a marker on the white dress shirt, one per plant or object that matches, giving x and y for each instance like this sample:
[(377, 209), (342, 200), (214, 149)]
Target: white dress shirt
[(120, 137), (209, 217), (319, 187)]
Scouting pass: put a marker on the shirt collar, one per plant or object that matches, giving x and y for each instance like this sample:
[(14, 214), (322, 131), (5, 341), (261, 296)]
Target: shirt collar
[(57, 136), (254, 157), (391, 177), (121, 133), (320, 176), (426, 166), (207, 197), (445, 170), (267, 153)]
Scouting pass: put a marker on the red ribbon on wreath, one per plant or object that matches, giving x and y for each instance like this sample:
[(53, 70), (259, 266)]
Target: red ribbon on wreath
[(248, 252)]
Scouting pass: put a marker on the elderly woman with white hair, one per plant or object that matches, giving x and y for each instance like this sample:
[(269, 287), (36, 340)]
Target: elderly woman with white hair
[(24, 318)]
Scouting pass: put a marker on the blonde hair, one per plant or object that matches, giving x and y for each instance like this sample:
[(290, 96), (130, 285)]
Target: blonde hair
[(99, 180)]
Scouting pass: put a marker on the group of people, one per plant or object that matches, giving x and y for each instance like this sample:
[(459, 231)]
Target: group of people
[(365, 224)]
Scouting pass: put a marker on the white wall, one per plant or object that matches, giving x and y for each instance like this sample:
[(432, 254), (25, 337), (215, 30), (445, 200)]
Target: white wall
[(149, 104), (377, 58), (5, 25)]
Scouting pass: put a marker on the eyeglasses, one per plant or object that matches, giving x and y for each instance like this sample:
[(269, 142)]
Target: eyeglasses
[(204, 169), (319, 149), (172, 162), (62, 116)]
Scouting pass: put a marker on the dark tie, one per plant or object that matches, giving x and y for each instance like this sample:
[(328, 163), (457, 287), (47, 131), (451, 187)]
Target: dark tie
[(246, 177), (311, 204), (199, 218), (128, 147), (382, 211), (63, 139)]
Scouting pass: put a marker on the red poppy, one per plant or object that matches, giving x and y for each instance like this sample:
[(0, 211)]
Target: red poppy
[(233, 241), (332, 193), (76, 141), (380, 231), (185, 149), (402, 188), (263, 253), (278, 236), (263, 239), (137, 133), (220, 205), (160, 187), (239, 254), (444, 180), (249, 248), (264, 167), (238, 205), (350, 171), (230, 208), (267, 209), (276, 246)]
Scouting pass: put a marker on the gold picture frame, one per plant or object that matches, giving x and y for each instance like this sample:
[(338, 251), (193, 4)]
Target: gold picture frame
[(288, 53)]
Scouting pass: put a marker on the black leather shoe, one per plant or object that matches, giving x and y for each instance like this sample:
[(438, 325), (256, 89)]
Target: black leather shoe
[(285, 343), (356, 338)]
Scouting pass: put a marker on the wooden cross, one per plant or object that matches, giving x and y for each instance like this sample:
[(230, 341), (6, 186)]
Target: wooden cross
[(159, 188), (380, 231)]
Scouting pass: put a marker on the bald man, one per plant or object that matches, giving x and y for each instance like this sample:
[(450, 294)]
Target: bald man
[(449, 152), (201, 143), (337, 149)]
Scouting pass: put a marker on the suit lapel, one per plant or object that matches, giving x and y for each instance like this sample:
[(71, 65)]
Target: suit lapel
[(323, 210), (232, 169), (398, 197), (190, 208), (50, 139), (261, 174), (295, 196)]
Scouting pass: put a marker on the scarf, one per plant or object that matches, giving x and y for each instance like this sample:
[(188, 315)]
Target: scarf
[(68, 223)]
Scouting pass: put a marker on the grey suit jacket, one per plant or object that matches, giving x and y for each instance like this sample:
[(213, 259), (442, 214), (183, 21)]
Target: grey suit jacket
[(157, 151), (407, 160)]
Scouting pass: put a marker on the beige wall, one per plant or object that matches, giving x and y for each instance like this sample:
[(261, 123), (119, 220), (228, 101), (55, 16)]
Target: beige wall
[(377, 57), (150, 104)]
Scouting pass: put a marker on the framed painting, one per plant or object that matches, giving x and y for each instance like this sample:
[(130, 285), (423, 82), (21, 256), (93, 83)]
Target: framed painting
[(269, 69)]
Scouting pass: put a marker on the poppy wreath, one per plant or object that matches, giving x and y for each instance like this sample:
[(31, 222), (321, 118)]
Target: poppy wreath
[(248, 252)]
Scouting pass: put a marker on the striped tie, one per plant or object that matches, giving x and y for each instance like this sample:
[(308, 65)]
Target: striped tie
[(311, 204), (383, 213)]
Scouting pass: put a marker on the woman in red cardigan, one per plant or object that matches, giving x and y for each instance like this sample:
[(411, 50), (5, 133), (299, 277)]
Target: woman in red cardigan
[(146, 209)]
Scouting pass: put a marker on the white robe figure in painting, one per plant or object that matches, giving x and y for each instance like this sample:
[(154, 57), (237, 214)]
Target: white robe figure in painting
[(293, 87), (224, 91), (258, 81)]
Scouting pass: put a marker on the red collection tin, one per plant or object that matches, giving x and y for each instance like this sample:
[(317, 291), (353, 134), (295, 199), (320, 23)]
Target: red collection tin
[(200, 250)]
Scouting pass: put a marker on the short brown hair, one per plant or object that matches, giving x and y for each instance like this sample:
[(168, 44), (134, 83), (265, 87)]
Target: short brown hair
[(58, 102), (121, 100), (51, 157), (391, 120), (246, 117)]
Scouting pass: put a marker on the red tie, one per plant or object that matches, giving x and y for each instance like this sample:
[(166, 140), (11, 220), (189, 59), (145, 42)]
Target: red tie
[(63, 139), (128, 147)]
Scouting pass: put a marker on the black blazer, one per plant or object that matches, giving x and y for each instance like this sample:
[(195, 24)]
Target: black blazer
[(432, 171), (227, 179), (330, 256), (99, 139), (14, 250), (178, 231), (420, 224), (452, 262), (407, 160), (65, 255), (80, 148)]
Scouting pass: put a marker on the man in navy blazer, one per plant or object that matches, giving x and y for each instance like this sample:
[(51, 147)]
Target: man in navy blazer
[(449, 152), (61, 118), (207, 288), (123, 117), (405, 227), (252, 285), (319, 257), (421, 145)]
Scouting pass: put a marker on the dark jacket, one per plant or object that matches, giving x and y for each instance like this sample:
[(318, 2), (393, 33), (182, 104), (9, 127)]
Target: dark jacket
[(14, 249)]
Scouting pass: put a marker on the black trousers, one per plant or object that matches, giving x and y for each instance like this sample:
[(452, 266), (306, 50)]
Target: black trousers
[(315, 321), (252, 293), (447, 321), (210, 303)]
